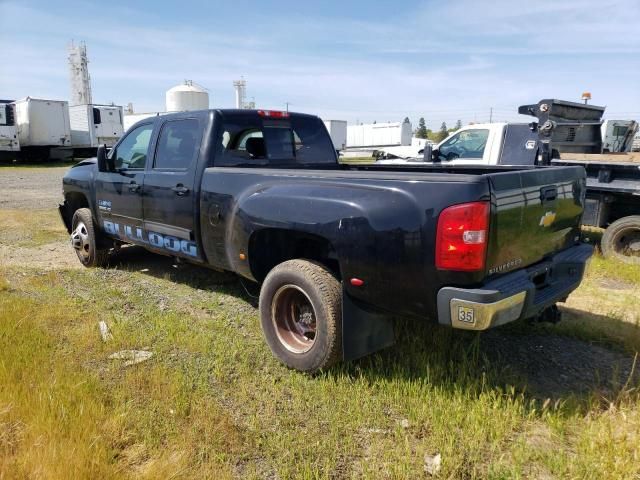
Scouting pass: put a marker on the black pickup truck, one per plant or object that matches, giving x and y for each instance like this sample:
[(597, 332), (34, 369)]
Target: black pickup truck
[(336, 248)]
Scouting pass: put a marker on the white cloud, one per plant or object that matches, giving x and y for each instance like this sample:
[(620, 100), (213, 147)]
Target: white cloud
[(445, 61)]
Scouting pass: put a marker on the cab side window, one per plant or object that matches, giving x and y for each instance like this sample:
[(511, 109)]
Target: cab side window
[(177, 145), (131, 153), (465, 144)]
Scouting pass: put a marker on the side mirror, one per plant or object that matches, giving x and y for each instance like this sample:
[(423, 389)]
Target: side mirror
[(427, 153), (435, 156), (101, 155)]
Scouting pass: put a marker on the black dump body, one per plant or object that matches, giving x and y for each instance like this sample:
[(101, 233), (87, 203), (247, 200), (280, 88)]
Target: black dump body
[(570, 127)]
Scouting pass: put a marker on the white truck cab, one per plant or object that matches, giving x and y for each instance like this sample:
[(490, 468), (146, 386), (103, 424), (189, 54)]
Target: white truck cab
[(483, 144), (472, 144)]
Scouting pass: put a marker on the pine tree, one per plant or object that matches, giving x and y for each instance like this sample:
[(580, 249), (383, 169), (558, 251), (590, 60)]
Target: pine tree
[(421, 132), (443, 133), (458, 124)]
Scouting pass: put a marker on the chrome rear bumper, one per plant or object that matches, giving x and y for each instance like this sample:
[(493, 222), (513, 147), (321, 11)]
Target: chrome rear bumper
[(520, 294)]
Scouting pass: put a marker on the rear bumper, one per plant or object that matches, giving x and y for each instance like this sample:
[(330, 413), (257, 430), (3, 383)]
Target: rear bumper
[(518, 295)]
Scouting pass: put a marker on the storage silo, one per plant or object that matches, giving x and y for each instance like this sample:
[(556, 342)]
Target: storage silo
[(187, 97)]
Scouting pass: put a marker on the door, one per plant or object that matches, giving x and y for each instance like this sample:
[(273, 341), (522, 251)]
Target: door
[(119, 192), (170, 205)]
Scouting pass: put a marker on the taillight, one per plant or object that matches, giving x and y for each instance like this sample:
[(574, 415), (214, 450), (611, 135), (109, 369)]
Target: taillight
[(273, 114), (462, 236)]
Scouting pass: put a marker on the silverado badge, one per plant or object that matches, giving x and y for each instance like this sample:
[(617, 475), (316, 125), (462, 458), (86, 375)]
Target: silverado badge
[(547, 219)]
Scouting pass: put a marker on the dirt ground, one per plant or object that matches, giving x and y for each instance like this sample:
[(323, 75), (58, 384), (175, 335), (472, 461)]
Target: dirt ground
[(551, 364), (31, 188)]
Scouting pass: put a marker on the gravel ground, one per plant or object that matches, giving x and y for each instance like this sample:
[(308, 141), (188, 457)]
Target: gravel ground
[(31, 188)]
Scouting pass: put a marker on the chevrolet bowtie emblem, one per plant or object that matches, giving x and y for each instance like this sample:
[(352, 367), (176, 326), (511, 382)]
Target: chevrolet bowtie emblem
[(547, 219)]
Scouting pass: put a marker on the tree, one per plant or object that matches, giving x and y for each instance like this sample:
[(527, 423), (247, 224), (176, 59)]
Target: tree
[(458, 124), (443, 133), (406, 120), (421, 132)]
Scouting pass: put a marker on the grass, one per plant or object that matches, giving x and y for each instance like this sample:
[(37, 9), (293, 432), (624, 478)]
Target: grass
[(212, 402), (30, 229)]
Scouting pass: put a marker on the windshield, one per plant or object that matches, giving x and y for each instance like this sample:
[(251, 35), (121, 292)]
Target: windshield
[(465, 144)]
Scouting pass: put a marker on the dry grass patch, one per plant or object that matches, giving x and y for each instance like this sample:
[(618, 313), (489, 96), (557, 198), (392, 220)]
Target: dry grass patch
[(66, 413), (29, 228)]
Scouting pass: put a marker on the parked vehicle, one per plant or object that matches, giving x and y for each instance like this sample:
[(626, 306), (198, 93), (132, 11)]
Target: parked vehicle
[(42, 126), (613, 201), (9, 143), (94, 125), (566, 133), (336, 248), (377, 135), (338, 132)]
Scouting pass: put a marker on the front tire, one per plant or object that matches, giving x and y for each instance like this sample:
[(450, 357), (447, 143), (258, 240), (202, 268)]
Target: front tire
[(621, 240), (301, 315), (85, 241)]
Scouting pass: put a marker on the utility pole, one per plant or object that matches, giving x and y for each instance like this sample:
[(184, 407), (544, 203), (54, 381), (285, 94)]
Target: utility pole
[(287, 104), (491, 115)]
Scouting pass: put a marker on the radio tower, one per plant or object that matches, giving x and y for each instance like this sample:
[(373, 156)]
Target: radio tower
[(240, 86), (79, 71)]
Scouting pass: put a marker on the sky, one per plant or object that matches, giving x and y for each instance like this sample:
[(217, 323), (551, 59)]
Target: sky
[(351, 60)]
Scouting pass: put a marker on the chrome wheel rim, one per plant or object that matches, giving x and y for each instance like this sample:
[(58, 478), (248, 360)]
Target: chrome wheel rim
[(80, 240), (294, 319)]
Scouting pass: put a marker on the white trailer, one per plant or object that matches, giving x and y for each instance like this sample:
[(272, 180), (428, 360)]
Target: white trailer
[(379, 135), (9, 143), (94, 125), (42, 125), (338, 132), (132, 118)]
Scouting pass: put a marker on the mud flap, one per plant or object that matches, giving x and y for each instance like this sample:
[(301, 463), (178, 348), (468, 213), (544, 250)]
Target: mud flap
[(363, 331), (62, 210)]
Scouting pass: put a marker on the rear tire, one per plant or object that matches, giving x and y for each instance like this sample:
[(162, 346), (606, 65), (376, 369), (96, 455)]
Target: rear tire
[(301, 315), (621, 240), (85, 241)]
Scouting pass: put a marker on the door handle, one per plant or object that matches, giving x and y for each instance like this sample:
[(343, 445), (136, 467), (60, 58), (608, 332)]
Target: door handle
[(180, 190), (548, 194), (134, 187)]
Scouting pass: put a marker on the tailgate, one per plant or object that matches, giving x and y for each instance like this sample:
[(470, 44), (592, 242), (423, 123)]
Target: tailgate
[(535, 213)]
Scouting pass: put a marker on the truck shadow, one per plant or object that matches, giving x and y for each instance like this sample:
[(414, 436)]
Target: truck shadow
[(540, 361), (137, 259)]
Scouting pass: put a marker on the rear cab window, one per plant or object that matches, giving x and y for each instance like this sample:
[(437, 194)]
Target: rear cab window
[(247, 139)]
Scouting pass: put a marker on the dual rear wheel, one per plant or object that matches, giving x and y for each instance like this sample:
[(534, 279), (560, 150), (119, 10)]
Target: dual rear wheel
[(301, 315)]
